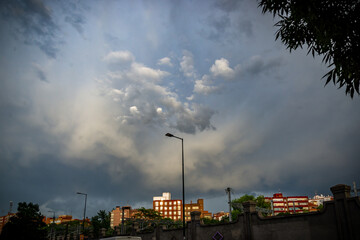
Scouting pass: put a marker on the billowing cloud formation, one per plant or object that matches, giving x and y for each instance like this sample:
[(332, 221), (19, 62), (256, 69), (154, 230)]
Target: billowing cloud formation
[(77, 114), (221, 69), (138, 88)]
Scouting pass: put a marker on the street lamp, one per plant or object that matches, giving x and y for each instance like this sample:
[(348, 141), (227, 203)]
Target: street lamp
[(52, 228), (54, 216), (183, 182), (84, 210)]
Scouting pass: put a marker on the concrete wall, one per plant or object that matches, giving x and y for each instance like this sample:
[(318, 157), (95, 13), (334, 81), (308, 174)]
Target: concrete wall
[(339, 220)]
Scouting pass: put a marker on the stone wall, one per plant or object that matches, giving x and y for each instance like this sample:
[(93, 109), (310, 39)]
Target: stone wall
[(339, 220)]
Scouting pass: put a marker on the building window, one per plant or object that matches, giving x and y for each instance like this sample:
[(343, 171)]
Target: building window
[(156, 203), (170, 203)]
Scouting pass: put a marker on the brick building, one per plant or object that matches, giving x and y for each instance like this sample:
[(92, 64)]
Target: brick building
[(116, 215), (172, 209), (198, 206), (167, 207)]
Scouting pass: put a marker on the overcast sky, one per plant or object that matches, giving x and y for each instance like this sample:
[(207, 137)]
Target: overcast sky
[(88, 90)]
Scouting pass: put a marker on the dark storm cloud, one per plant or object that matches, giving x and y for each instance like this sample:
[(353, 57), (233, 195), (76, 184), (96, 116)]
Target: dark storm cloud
[(74, 15), (258, 64), (218, 27), (48, 178), (228, 5), (189, 123), (32, 21)]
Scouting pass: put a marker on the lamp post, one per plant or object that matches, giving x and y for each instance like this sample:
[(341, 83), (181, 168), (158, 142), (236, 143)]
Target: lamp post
[(52, 228), (84, 210), (183, 182)]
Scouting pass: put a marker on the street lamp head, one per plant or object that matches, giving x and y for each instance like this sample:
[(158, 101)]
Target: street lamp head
[(169, 135)]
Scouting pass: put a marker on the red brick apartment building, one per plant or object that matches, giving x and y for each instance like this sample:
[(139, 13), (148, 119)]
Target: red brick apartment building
[(116, 215), (167, 207), (198, 206), (293, 204), (172, 209)]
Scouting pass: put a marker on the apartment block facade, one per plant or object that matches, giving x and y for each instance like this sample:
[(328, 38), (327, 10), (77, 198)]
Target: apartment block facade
[(172, 209), (293, 204), (167, 207), (198, 206), (116, 215)]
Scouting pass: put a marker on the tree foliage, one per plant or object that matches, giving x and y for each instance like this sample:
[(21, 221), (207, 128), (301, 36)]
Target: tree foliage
[(26, 224), (237, 210), (330, 28), (148, 214), (101, 220)]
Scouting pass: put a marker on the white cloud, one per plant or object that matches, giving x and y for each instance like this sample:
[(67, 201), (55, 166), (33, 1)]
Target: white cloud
[(142, 72), (203, 86), (187, 64), (221, 69), (159, 110), (141, 99), (120, 56), (165, 61), (134, 110)]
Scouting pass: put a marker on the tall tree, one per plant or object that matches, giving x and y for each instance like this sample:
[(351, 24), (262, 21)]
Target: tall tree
[(330, 28), (101, 220), (26, 224)]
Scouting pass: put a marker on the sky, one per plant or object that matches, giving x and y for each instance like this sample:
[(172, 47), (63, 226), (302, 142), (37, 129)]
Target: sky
[(88, 90)]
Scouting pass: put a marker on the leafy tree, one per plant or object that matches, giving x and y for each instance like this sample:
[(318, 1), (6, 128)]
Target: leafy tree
[(320, 207), (237, 209), (101, 220), (208, 221), (26, 224), (148, 214), (330, 28)]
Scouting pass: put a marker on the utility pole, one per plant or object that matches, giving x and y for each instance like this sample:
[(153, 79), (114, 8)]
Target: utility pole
[(355, 190), (228, 191)]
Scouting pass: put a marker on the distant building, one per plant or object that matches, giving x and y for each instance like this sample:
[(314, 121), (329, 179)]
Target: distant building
[(220, 215), (172, 209), (198, 206), (167, 207), (320, 199), (62, 219), (293, 204), (116, 215), (5, 219)]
